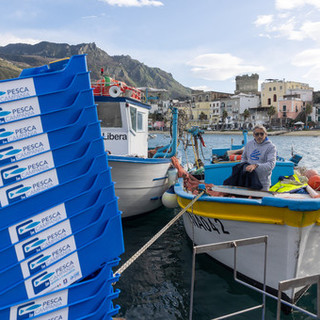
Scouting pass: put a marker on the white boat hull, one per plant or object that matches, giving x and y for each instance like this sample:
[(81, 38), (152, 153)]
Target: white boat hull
[(138, 184), (292, 252)]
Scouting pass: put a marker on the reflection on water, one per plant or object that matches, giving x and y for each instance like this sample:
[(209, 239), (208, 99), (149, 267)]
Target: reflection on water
[(157, 285)]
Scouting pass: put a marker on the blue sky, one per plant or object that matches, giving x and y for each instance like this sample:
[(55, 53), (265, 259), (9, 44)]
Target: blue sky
[(204, 44)]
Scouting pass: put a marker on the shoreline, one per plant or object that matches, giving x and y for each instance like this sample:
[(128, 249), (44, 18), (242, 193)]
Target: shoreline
[(307, 133)]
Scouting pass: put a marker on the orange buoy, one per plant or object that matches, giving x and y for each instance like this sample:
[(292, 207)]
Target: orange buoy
[(314, 182), (235, 157)]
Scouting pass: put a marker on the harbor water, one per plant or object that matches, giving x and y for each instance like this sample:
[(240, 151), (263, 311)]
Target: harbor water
[(157, 285)]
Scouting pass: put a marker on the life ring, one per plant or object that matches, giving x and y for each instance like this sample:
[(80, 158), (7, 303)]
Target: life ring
[(114, 91)]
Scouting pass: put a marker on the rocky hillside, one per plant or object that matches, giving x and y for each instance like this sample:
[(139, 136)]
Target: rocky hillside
[(15, 57)]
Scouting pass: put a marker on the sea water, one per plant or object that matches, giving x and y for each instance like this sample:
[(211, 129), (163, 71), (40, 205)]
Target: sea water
[(157, 285)]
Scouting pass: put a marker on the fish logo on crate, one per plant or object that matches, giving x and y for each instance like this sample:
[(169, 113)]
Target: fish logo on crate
[(5, 135), (39, 306), (20, 129), (33, 246), (28, 310), (20, 109), (8, 155), (38, 263), (42, 282), (3, 115), (18, 191), (26, 229), (48, 257), (24, 148), (46, 238), (12, 174), (26, 168), (17, 89), (59, 275), (44, 220)]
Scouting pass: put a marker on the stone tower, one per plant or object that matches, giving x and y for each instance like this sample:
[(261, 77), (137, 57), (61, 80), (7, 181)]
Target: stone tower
[(247, 84)]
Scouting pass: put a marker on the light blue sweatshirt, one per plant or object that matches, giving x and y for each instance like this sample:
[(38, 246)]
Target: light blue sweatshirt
[(264, 155)]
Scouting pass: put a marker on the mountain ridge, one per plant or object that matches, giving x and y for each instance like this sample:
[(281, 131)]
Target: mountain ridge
[(15, 57)]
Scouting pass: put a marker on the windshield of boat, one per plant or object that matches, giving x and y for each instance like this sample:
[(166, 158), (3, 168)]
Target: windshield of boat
[(110, 114)]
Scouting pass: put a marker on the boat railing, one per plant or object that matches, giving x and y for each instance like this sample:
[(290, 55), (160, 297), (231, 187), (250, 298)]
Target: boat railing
[(115, 89), (283, 285), (296, 283)]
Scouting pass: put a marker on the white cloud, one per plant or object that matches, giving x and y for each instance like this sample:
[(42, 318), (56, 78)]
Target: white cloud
[(294, 4), (295, 25), (89, 17), (264, 20), (311, 30), (307, 58), (134, 3), (203, 88), (220, 67), (310, 61), (7, 38)]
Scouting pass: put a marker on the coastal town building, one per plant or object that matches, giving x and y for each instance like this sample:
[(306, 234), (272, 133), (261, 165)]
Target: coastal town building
[(290, 106), (202, 107), (274, 90), (247, 84), (279, 104)]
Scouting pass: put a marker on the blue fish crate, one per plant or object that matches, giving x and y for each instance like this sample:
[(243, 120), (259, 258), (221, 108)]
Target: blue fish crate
[(82, 308), (62, 297), (44, 79), (41, 183), (49, 123), (28, 207), (31, 166), (77, 211), (50, 102), (75, 266), (27, 256), (49, 247), (62, 151), (105, 312)]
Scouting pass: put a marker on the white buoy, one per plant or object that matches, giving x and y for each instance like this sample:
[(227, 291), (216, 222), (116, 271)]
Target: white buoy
[(169, 198)]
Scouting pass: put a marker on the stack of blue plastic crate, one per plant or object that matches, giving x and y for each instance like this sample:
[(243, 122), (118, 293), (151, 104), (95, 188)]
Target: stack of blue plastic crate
[(60, 227)]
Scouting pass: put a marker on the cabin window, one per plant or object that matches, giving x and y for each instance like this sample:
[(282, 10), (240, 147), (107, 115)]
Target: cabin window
[(140, 121), (133, 116), (136, 119), (109, 114)]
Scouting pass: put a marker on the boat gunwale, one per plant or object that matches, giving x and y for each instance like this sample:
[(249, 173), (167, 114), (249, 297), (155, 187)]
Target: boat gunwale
[(138, 160)]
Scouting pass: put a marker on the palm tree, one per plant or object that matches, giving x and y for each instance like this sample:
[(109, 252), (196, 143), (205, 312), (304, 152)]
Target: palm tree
[(271, 112), (203, 116), (224, 116), (307, 112), (246, 115)]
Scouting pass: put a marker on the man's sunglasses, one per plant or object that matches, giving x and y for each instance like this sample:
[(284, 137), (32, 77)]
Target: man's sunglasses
[(259, 134)]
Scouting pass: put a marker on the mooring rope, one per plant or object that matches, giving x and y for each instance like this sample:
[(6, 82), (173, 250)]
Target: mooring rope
[(157, 235)]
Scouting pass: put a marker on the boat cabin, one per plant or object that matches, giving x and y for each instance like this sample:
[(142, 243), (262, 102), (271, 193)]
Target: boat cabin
[(124, 125)]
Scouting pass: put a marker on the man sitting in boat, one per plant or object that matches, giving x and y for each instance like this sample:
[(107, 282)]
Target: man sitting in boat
[(261, 155)]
